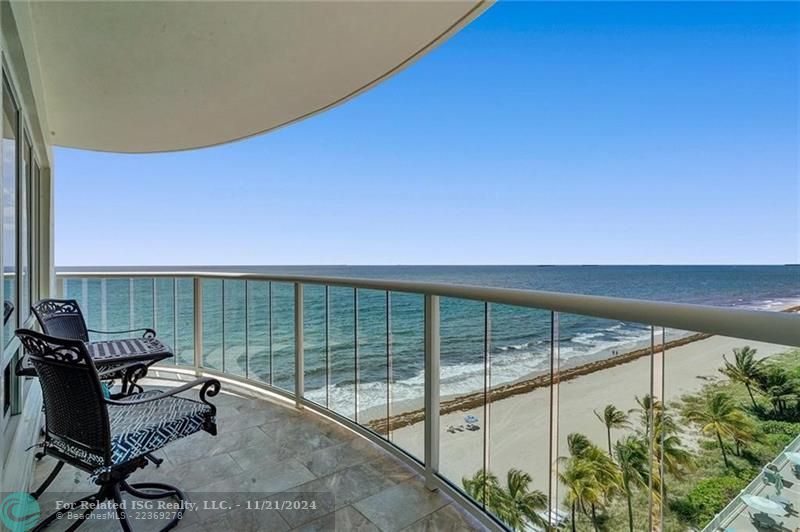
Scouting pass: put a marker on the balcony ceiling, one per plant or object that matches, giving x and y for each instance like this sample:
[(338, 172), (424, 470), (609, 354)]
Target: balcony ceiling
[(162, 76)]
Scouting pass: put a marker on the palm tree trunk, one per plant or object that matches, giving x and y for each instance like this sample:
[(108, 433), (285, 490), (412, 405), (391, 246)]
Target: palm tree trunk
[(594, 517), (609, 441), (755, 405), (573, 517), (722, 448), (630, 507)]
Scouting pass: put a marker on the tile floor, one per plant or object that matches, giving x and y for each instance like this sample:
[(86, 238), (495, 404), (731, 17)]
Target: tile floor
[(269, 451)]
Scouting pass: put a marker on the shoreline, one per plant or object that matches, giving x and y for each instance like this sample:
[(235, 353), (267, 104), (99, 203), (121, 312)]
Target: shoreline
[(528, 384)]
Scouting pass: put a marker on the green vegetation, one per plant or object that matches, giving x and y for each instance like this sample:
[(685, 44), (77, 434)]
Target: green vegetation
[(613, 418), (706, 448), (719, 416), (513, 504)]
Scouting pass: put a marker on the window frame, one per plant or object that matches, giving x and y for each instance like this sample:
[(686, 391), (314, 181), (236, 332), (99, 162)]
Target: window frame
[(27, 208), (23, 215), (7, 86)]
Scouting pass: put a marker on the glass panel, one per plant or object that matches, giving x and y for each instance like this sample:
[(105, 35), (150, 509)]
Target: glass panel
[(24, 234), (314, 348), (604, 402), (212, 323), (142, 308), (341, 334), (462, 390), (184, 348), (235, 328), (407, 354), (518, 412), (10, 135), (73, 289), (118, 304), (94, 311), (258, 330), (749, 391), (372, 362), (165, 311), (283, 335)]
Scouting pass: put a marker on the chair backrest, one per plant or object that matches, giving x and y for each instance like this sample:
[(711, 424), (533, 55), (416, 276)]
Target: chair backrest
[(61, 318), (76, 417)]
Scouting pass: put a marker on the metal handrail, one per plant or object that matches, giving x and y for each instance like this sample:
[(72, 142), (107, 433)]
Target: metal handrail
[(766, 326)]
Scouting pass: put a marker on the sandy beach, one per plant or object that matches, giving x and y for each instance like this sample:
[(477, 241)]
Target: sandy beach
[(519, 425)]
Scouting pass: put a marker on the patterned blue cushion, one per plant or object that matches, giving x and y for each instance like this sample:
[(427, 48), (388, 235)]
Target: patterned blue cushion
[(140, 429)]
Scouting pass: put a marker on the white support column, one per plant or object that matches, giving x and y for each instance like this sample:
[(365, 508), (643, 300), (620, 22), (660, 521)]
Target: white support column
[(432, 343), (299, 373), (47, 279)]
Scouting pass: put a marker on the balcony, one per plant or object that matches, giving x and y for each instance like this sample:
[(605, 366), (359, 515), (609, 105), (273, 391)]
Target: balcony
[(413, 368), (269, 450)]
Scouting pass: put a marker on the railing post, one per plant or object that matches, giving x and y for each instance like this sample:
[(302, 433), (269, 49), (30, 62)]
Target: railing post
[(431, 390), (555, 377), (298, 345), (197, 287)]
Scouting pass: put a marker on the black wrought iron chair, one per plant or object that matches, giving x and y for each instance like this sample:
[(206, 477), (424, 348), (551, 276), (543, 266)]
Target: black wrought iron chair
[(109, 439), (63, 318), (8, 310)]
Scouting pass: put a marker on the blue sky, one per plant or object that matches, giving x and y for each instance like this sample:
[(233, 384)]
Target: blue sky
[(543, 133)]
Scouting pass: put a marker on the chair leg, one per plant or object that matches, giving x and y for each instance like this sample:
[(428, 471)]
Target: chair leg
[(113, 490), (122, 517), (58, 514), (82, 519), (153, 458), (49, 480), (165, 491)]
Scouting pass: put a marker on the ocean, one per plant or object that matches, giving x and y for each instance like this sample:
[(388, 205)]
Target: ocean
[(250, 332)]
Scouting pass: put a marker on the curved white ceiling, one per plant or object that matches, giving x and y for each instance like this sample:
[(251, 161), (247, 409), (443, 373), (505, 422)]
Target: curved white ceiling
[(161, 76)]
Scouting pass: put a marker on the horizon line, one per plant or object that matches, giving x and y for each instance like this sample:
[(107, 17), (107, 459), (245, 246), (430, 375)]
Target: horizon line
[(470, 265)]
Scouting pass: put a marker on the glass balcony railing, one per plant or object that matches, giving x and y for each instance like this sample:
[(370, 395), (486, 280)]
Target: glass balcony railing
[(527, 407)]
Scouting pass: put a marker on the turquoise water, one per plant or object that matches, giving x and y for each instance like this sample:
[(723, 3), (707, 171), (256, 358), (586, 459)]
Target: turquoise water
[(240, 319)]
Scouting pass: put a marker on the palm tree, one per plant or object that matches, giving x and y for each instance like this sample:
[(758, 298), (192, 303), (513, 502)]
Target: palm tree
[(522, 501), (667, 446), (718, 416), (582, 487), (745, 369), (590, 468), (742, 436), (612, 418), (779, 387), (674, 456), (603, 467), (631, 455), (647, 405), (513, 504), (578, 444), (483, 487)]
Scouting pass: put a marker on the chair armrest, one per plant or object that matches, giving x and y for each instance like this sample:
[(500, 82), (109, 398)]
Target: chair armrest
[(147, 332), (210, 388)]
